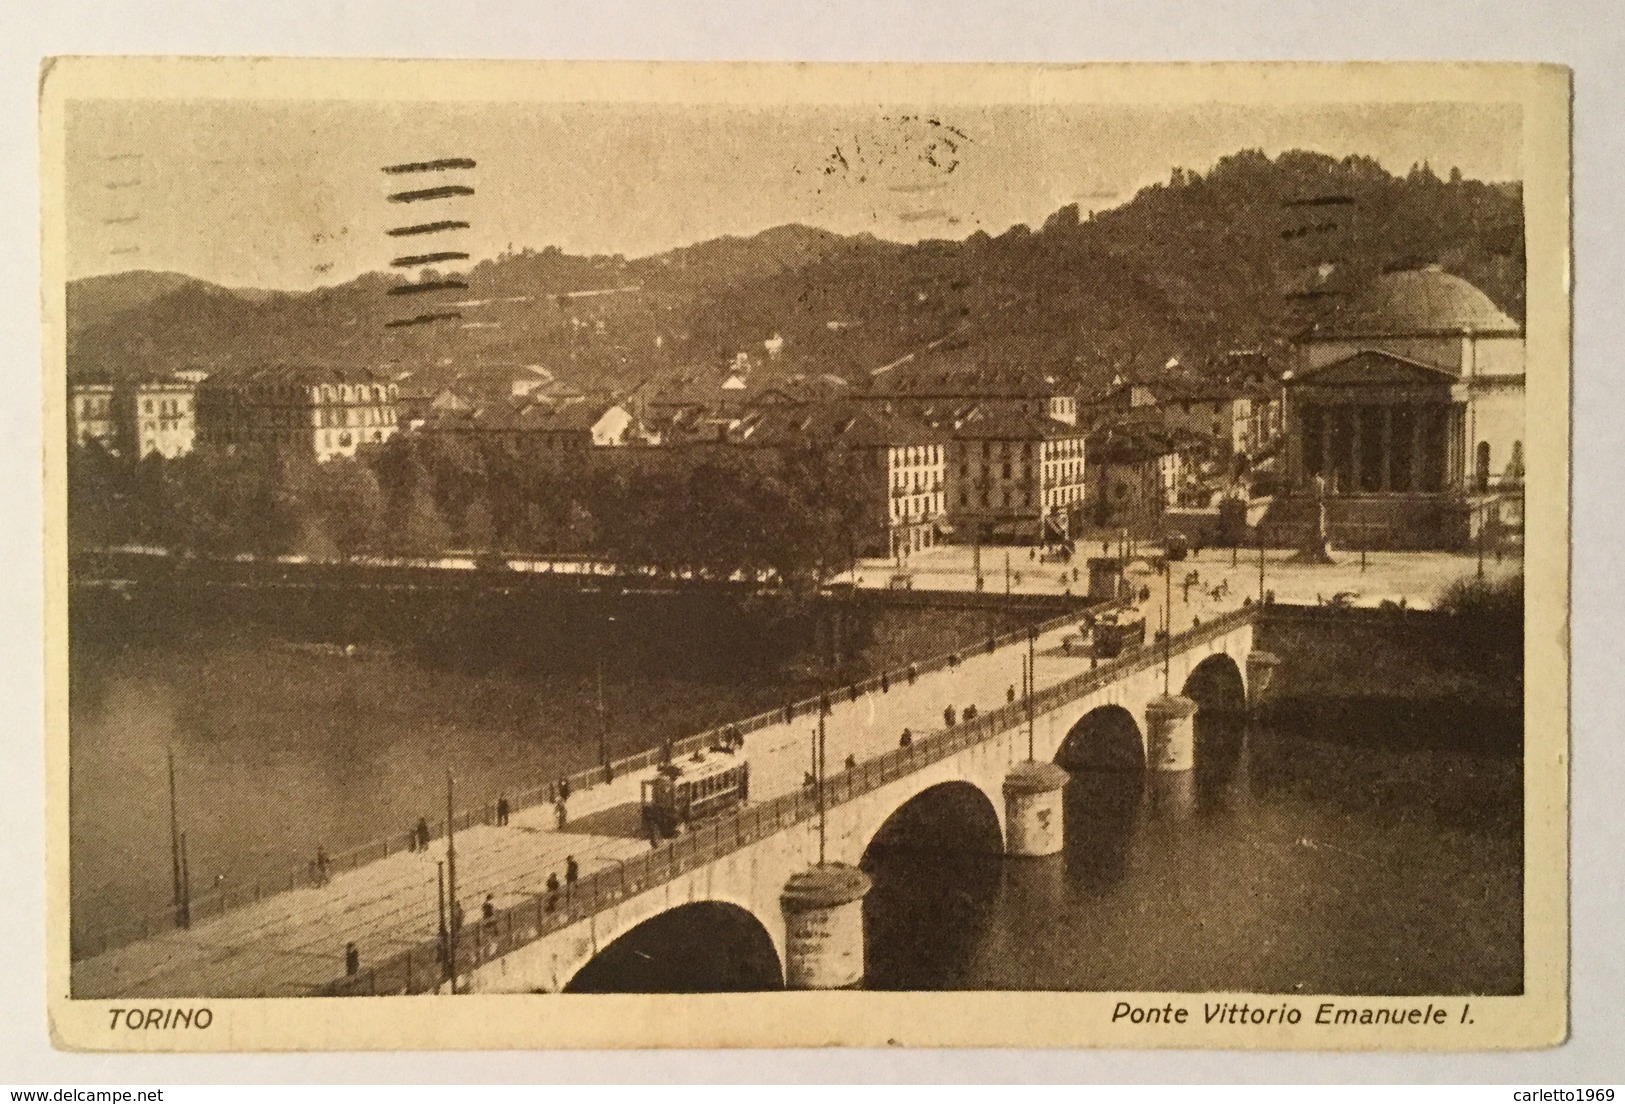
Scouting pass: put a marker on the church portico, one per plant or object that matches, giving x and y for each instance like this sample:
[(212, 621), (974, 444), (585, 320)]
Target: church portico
[(1405, 411), (1375, 424)]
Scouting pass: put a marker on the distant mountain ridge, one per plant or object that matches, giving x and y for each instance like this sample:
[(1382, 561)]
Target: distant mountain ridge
[(1188, 268)]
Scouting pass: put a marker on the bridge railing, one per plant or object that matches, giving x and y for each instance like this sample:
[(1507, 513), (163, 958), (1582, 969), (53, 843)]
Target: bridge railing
[(216, 900), (422, 968)]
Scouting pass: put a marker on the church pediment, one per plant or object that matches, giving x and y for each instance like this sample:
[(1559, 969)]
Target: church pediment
[(1372, 368)]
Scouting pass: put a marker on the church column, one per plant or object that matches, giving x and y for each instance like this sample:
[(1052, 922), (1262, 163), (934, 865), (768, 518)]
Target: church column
[(1327, 418), (1458, 449), (1296, 472), (1418, 468), (1355, 483), (1387, 448)]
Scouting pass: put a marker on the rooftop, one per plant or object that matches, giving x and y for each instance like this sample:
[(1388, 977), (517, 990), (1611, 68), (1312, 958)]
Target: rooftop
[(1421, 301), (1010, 425), (298, 375), (849, 424)]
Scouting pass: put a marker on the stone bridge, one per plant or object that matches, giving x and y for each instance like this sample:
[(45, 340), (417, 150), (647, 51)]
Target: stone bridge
[(788, 872)]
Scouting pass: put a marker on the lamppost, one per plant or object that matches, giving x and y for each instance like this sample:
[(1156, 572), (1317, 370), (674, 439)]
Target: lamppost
[(183, 918), (451, 888), (1481, 512), (603, 708), (1261, 565), (1032, 684), (1167, 620), (823, 708), (440, 897)]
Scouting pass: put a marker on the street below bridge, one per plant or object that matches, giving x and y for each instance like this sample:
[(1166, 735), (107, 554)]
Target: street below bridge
[(1362, 580), (294, 942)]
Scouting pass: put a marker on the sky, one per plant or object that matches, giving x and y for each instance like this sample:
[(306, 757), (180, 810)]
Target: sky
[(291, 194)]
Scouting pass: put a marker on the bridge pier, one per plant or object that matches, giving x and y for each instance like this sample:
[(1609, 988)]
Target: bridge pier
[(1260, 673), (1170, 733), (1171, 795), (1033, 809), (823, 919)]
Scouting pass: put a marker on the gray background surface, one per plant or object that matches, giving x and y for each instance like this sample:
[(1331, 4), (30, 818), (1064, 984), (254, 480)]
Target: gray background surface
[(1585, 34)]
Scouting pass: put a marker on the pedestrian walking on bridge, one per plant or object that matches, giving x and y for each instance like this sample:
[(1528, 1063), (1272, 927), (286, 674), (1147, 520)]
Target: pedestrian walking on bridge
[(561, 813), (423, 833), (572, 870), (502, 810)]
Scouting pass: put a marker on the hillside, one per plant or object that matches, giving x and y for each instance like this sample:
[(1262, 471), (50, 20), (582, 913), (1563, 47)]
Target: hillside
[(1190, 267)]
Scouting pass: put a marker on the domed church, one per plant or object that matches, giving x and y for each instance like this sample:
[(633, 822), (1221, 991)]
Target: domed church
[(1406, 411)]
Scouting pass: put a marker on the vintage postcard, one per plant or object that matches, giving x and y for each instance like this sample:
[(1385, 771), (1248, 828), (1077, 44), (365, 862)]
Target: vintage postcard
[(630, 555)]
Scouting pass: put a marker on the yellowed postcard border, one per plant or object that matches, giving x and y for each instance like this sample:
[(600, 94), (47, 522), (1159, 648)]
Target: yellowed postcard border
[(1537, 1018)]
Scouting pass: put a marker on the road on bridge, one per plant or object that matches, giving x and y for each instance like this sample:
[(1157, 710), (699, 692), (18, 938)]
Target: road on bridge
[(293, 943)]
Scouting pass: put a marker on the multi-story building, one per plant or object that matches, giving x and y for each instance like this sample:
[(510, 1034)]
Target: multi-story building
[(157, 416), (903, 460), (542, 427), (1210, 408), (90, 405), (1018, 477), (952, 381), (1137, 468), (134, 418), (323, 411)]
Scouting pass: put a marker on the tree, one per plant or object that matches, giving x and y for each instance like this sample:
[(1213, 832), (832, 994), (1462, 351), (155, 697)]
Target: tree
[(97, 497), (479, 536), (418, 530), (347, 504)]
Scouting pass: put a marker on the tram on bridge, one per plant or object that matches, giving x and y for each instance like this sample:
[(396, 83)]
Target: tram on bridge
[(699, 788), (1113, 635)]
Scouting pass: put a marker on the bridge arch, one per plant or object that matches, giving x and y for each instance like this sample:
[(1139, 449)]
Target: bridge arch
[(1219, 690), (934, 863), (1216, 685), (698, 947), (1104, 752), (1107, 737)]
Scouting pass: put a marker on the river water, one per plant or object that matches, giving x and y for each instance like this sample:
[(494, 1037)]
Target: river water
[(1354, 862), (285, 737)]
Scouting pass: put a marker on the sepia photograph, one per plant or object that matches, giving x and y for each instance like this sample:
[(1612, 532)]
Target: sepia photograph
[(784, 555)]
